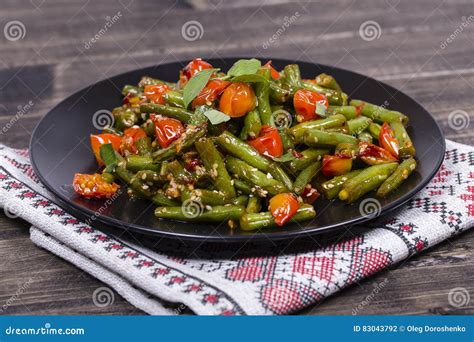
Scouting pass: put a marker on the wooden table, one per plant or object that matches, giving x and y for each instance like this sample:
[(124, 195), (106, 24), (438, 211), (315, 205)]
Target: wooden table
[(410, 52)]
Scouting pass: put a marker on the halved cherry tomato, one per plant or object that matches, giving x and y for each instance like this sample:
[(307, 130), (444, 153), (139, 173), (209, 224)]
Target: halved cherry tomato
[(97, 140), (310, 194), (167, 129), (283, 207), (372, 154), (388, 141), (275, 74), (336, 165), (305, 101), (268, 142), (155, 92), (237, 100), (191, 69), (210, 93), (93, 186), (129, 140)]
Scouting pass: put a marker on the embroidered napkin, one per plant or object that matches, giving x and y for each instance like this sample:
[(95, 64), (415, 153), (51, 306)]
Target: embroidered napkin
[(168, 277)]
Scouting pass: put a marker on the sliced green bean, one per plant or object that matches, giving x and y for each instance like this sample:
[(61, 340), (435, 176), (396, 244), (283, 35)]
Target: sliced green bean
[(201, 214), (379, 113), (254, 221), (358, 125), (252, 125), (349, 112), (186, 141), (298, 131), (162, 200), (262, 91), (254, 205), (180, 114), (397, 177), (136, 163), (334, 98), (331, 188), (317, 138), (406, 148), (308, 157), (242, 186), (305, 177)]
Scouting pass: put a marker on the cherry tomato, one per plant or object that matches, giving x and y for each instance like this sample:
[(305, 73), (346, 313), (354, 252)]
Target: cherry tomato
[(275, 74), (336, 165), (93, 186), (268, 143), (191, 69), (372, 154), (129, 140), (310, 194), (155, 92), (237, 100), (167, 129), (97, 140), (388, 141), (210, 93), (305, 101), (283, 207)]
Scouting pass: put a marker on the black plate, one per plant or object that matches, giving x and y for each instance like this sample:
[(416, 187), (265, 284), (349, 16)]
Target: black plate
[(60, 147)]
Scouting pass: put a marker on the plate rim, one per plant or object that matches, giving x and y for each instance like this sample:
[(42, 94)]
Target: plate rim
[(254, 237)]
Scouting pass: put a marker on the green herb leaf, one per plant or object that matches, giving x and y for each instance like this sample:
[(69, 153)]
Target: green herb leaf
[(216, 117), (284, 158), (320, 109), (244, 67), (195, 85), (249, 78), (198, 117), (107, 153)]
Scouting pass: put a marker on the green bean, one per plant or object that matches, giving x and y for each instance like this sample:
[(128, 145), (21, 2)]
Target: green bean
[(334, 98), (374, 130), (240, 200), (174, 98), (397, 177), (254, 221), (162, 200), (130, 89), (262, 91), (149, 128), (242, 186), (298, 131), (149, 176), (279, 174), (144, 146), (186, 141), (406, 148), (358, 125), (252, 175), (136, 163), (254, 205), (305, 177), (327, 81), (308, 157), (140, 188), (214, 164), (252, 125), (349, 112), (286, 139), (316, 138), (175, 170), (215, 214), (124, 118), (278, 94), (365, 136), (210, 197), (331, 188), (108, 177), (347, 150), (147, 80), (369, 179), (172, 112), (292, 77), (378, 113)]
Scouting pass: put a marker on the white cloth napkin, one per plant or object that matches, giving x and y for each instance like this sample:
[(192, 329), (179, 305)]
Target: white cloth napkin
[(221, 280)]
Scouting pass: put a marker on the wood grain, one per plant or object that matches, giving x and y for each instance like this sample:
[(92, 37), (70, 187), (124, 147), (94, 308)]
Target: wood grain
[(51, 62)]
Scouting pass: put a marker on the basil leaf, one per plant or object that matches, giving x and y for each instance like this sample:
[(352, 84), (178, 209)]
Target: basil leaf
[(198, 117), (216, 117), (249, 78), (320, 109), (284, 158), (244, 67), (107, 153), (195, 85)]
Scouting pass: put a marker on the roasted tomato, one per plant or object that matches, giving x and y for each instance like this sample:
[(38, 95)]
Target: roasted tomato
[(283, 207), (268, 143), (275, 74), (372, 154), (97, 140), (167, 129), (93, 186), (129, 140), (210, 93), (191, 69), (237, 100), (336, 165), (388, 141), (310, 194), (155, 92), (305, 101)]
